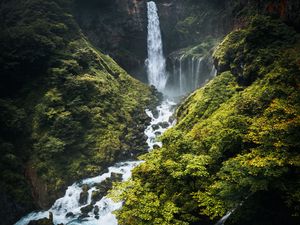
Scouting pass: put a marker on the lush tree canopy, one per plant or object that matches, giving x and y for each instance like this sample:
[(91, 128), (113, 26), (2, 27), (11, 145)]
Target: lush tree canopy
[(236, 141)]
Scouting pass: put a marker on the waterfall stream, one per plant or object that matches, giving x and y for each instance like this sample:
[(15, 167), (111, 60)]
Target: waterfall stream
[(69, 210), (188, 74)]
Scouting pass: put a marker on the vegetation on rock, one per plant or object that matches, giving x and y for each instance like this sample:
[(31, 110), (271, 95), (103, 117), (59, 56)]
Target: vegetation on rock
[(235, 145)]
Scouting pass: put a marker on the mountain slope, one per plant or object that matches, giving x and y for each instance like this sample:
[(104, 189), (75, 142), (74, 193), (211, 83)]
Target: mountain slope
[(235, 145), (67, 110)]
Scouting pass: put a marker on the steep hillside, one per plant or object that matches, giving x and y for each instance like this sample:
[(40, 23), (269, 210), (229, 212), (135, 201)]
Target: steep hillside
[(67, 110), (235, 145)]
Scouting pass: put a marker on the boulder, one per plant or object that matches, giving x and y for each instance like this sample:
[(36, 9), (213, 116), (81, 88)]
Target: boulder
[(96, 210), (44, 221), (96, 196), (116, 177), (84, 195), (163, 124), (70, 214), (156, 146), (155, 126), (155, 113), (104, 186), (86, 209), (157, 133)]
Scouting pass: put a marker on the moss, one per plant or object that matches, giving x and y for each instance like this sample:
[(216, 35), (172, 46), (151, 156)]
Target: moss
[(249, 53)]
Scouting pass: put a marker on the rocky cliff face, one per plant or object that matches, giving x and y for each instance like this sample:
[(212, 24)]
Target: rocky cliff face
[(119, 27)]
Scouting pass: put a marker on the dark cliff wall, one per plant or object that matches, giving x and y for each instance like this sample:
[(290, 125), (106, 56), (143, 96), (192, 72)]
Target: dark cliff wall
[(186, 23), (119, 27)]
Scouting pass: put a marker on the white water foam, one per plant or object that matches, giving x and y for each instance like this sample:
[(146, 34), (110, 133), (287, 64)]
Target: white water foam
[(70, 202), (156, 63)]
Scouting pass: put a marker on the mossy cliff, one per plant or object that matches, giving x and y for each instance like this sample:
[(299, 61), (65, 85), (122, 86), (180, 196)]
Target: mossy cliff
[(67, 110), (235, 145)]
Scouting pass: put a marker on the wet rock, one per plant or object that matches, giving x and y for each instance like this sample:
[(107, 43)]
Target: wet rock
[(84, 195), (155, 113), (155, 126), (86, 209), (156, 146), (96, 196), (51, 216), (103, 187), (157, 133), (171, 119), (44, 221), (163, 124), (82, 216), (69, 214), (96, 210), (116, 177)]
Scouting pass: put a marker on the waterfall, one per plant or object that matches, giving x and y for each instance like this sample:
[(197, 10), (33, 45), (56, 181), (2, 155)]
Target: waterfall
[(193, 70), (156, 63), (224, 218), (181, 75), (69, 209), (229, 213), (213, 71), (188, 74), (198, 73)]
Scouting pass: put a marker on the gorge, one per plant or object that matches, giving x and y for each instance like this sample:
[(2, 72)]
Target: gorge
[(201, 127), (73, 208)]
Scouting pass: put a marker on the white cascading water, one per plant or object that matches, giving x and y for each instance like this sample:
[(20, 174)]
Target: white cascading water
[(156, 63), (198, 71), (69, 204), (181, 84), (189, 73), (224, 218)]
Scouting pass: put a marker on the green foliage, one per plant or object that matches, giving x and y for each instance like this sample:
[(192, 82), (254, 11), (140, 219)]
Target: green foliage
[(81, 119), (235, 140), (250, 53), (186, 24), (13, 150), (74, 110)]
